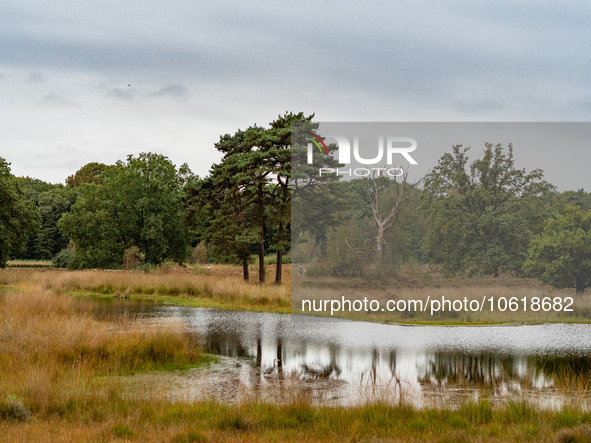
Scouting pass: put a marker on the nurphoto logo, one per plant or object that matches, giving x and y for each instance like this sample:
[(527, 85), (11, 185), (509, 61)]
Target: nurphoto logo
[(393, 146)]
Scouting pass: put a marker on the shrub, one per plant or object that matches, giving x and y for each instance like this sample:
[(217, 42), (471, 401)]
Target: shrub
[(478, 412), (121, 431), (270, 259), (14, 409), (167, 267), (63, 258), (580, 433), (148, 267)]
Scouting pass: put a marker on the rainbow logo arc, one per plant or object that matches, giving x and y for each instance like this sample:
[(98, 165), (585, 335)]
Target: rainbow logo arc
[(315, 140)]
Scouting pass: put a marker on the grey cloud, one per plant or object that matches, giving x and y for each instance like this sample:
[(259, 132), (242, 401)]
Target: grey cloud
[(130, 58), (58, 156), (124, 94), (470, 106), (274, 46), (55, 99), (67, 150), (174, 90), (36, 77), (398, 60)]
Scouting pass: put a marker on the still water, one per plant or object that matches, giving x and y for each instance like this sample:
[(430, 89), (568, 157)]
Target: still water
[(277, 357)]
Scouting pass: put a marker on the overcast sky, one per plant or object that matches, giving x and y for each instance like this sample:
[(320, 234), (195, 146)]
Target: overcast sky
[(96, 81)]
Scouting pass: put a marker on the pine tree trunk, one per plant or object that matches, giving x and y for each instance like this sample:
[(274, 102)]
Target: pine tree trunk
[(262, 237), (259, 357), (245, 273), (279, 270)]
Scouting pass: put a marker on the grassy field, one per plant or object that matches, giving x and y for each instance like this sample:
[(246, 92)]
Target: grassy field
[(52, 348), (59, 367), (156, 421), (220, 287)]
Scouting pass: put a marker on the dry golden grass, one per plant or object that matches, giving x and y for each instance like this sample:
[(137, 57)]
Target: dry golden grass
[(417, 284), (222, 286), (51, 349), (30, 263)]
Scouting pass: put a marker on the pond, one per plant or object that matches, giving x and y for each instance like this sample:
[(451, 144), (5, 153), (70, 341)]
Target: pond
[(277, 357)]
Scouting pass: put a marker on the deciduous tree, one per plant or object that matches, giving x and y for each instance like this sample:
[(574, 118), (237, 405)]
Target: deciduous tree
[(478, 212), (137, 203), (19, 218), (86, 174), (561, 255)]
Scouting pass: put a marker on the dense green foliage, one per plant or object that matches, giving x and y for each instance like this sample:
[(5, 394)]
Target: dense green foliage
[(63, 258), (52, 201), (222, 219), (87, 174), (137, 203), (481, 215), (52, 205), (561, 255), (248, 194), (19, 218)]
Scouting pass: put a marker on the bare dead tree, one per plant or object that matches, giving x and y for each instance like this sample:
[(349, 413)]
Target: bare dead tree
[(375, 189)]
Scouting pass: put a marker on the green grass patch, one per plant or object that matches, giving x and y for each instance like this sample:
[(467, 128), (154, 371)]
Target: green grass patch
[(121, 431), (122, 357), (158, 420)]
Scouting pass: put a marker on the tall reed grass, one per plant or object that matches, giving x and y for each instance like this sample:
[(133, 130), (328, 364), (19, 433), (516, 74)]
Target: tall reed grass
[(52, 349), (219, 285)]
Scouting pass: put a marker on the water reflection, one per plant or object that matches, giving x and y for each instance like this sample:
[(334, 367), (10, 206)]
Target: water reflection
[(268, 356)]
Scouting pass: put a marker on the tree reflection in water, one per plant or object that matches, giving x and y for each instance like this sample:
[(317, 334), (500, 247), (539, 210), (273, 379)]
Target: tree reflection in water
[(344, 363)]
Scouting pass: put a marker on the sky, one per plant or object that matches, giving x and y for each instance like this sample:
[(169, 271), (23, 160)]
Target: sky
[(96, 81)]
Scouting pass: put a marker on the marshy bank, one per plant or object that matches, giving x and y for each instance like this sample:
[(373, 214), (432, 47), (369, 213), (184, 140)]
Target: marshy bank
[(275, 357), (53, 352), (218, 287), (221, 287), (158, 421)]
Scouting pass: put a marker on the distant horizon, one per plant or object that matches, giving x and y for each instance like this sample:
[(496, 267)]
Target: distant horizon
[(534, 147)]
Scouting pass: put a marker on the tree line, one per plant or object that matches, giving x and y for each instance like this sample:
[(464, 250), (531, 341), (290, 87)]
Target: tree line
[(146, 210), (476, 218), (480, 217)]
